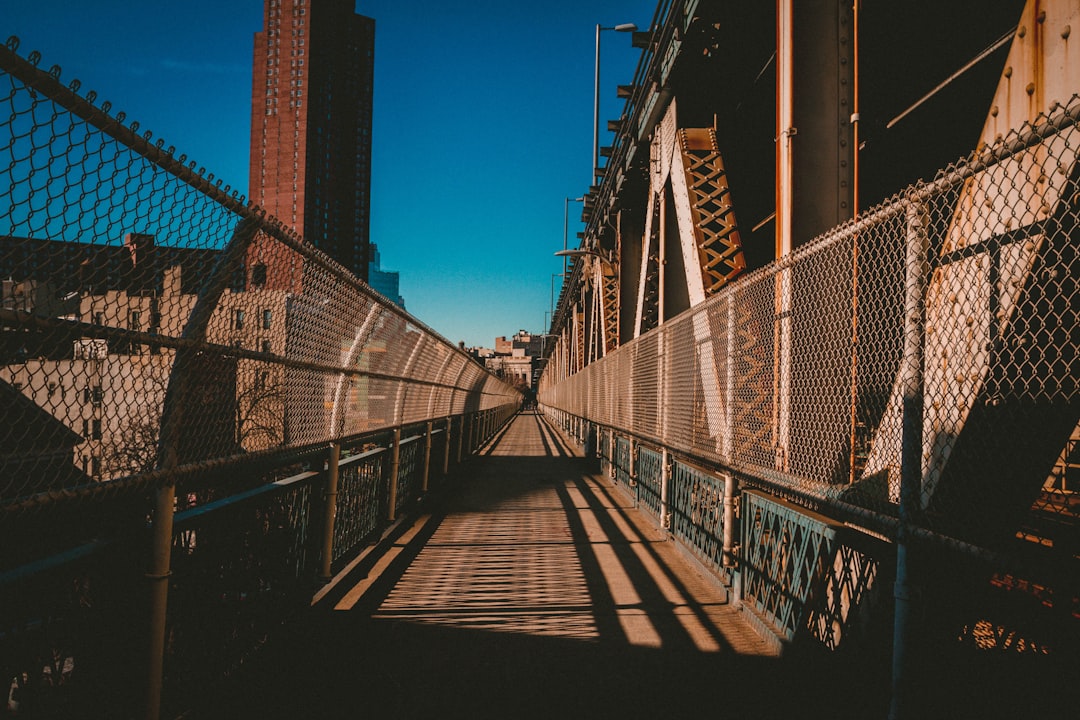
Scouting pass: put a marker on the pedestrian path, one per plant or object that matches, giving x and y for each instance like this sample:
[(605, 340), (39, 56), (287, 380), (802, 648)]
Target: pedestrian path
[(532, 589)]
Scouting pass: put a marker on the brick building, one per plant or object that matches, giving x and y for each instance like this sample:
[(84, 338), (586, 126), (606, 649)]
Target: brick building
[(311, 132)]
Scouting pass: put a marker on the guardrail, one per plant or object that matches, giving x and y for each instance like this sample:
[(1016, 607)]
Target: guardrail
[(171, 359), (241, 566), (910, 375)]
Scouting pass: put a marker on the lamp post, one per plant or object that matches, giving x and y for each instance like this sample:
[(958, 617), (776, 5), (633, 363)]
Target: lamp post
[(624, 27)]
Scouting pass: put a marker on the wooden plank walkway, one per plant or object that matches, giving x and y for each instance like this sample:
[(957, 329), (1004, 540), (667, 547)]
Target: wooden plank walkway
[(533, 590)]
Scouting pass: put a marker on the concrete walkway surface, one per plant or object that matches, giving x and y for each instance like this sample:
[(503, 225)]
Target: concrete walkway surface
[(531, 589)]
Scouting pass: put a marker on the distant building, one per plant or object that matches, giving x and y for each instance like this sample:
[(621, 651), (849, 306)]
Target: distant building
[(531, 345), (516, 359), (311, 133), (105, 395), (385, 282)]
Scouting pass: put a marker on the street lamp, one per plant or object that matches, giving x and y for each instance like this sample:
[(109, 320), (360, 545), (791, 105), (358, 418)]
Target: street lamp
[(624, 27)]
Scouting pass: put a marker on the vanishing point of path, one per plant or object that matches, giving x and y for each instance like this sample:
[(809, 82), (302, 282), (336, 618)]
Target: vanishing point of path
[(530, 589)]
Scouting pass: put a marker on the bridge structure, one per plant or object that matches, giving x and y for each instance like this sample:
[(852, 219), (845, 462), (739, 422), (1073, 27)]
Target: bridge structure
[(845, 395)]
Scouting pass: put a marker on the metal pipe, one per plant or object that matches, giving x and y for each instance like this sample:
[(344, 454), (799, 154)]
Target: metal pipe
[(910, 458), (330, 501)]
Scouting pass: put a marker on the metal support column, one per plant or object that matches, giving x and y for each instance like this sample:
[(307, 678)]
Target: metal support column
[(904, 631)]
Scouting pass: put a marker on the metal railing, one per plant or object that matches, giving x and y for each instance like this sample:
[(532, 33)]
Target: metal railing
[(911, 374), (194, 398)]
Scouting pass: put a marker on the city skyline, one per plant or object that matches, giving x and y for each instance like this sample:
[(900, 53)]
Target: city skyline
[(468, 175)]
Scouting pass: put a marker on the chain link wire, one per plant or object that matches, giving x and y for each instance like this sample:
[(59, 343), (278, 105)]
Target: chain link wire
[(155, 325), (794, 376)]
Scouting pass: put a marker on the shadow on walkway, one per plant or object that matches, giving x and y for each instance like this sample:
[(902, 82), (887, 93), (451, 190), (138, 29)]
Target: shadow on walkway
[(533, 590)]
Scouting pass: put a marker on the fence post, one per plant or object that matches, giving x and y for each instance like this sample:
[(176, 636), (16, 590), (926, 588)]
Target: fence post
[(446, 447), (730, 488), (158, 574), (330, 510), (915, 269), (395, 466), (665, 483), (460, 438), (427, 457)]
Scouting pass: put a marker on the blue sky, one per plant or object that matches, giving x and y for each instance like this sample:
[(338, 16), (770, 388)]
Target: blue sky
[(483, 124)]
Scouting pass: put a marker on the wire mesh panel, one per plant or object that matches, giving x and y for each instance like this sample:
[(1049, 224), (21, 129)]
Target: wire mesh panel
[(792, 374), (153, 319), (943, 321)]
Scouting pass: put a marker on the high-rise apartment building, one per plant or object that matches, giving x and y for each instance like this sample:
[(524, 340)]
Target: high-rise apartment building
[(311, 129)]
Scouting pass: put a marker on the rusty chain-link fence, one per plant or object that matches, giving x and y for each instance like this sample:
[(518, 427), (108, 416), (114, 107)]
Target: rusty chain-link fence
[(940, 326), (164, 342)]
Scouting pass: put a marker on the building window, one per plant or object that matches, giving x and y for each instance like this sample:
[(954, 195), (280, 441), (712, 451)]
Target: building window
[(96, 434), (268, 316), (93, 395), (266, 346), (258, 274), (95, 464), (238, 320)]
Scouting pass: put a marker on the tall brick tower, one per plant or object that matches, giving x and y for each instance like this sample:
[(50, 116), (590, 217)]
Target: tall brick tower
[(311, 129)]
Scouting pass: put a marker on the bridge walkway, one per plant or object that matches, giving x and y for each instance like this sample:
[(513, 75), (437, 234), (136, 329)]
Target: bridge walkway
[(533, 588)]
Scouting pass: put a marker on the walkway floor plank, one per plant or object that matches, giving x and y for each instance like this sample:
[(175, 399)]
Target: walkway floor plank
[(533, 590)]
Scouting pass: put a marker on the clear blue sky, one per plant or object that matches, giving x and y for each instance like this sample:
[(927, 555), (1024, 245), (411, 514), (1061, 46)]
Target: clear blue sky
[(483, 124)]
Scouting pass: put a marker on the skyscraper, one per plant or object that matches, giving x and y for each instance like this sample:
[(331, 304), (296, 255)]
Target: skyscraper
[(311, 128)]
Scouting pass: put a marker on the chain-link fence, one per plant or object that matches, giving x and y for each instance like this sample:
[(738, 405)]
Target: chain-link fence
[(138, 293), (171, 358), (940, 326)]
